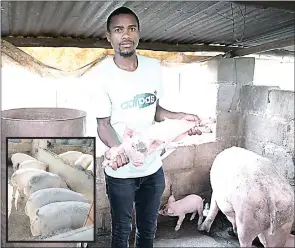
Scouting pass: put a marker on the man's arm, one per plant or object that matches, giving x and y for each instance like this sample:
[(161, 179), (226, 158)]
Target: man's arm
[(106, 132), (162, 113)]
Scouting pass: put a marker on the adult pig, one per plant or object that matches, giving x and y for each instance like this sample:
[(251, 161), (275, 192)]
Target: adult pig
[(33, 164), (70, 156), (256, 199), (43, 197), (189, 204), (59, 215), (18, 158), (20, 178), (43, 181)]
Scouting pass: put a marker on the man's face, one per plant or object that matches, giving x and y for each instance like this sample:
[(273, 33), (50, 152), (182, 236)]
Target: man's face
[(124, 34)]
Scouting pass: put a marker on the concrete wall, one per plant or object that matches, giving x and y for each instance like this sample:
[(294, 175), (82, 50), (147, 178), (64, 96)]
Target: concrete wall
[(19, 145), (267, 125)]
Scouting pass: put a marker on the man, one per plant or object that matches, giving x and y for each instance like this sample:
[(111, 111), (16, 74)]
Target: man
[(130, 89)]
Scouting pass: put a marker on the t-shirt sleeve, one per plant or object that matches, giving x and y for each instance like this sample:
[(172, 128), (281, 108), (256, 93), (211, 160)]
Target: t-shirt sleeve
[(102, 103)]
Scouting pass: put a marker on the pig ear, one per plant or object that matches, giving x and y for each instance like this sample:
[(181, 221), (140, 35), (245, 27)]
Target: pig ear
[(154, 145), (128, 133), (171, 199), (169, 211)]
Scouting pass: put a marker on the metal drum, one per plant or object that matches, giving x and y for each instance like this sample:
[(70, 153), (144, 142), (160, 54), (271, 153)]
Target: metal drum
[(41, 122)]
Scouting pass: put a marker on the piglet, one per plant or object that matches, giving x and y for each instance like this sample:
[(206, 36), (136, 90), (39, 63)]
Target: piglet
[(159, 136), (189, 204), (18, 158)]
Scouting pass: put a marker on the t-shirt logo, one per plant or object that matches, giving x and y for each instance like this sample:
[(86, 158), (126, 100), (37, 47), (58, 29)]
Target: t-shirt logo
[(140, 101)]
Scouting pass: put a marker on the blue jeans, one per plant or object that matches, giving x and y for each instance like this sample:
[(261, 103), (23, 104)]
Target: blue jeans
[(146, 193)]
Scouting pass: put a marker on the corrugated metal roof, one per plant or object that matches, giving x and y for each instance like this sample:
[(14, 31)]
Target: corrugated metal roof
[(182, 22)]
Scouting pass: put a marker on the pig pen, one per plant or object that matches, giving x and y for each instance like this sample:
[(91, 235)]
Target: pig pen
[(258, 118), (77, 180)]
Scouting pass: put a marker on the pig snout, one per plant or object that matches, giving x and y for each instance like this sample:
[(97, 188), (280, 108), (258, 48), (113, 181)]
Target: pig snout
[(163, 210)]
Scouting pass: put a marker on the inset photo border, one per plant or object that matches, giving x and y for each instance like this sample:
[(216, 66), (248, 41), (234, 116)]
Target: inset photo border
[(50, 191)]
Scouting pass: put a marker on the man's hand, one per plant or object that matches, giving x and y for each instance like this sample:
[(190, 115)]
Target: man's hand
[(193, 118), (120, 160)]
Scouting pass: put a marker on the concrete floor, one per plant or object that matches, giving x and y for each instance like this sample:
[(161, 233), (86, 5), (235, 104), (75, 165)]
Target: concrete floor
[(187, 236)]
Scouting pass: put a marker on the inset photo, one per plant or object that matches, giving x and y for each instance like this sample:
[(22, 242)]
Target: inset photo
[(51, 189)]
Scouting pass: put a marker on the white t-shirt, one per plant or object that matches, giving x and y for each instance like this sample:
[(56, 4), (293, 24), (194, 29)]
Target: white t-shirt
[(130, 99)]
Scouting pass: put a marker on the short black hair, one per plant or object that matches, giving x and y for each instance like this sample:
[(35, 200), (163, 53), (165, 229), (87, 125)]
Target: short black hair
[(119, 11)]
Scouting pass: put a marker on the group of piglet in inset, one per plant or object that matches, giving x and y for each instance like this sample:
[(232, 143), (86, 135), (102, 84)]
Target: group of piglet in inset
[(249, 190), (79, 161), (50, 204)]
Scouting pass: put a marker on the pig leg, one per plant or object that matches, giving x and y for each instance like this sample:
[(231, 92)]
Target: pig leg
[(193, 215), (279, 238), (14, 192), (262, 239), (200, 213), (246, 229), (21, 192), (245, 238), (179, 222), (213, 211), (231, 218)]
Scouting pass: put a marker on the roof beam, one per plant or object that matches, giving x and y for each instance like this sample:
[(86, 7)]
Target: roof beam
[(96, 43), (288, 6), (265, 47)]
